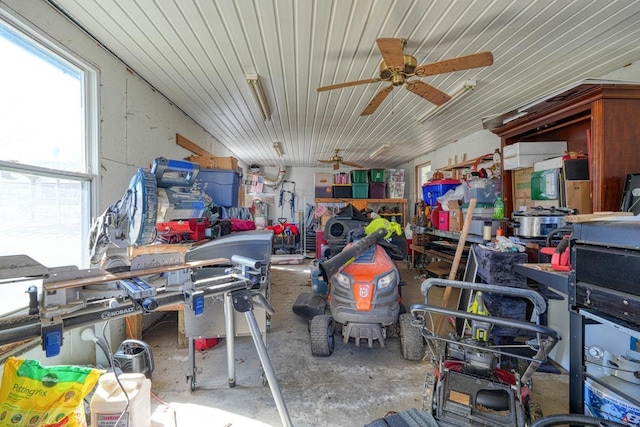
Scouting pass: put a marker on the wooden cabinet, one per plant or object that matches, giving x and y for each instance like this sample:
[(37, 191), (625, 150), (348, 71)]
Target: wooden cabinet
[(600, 120)]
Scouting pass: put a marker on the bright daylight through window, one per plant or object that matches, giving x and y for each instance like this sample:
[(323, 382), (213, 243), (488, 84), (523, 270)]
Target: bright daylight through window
[(46, 184)]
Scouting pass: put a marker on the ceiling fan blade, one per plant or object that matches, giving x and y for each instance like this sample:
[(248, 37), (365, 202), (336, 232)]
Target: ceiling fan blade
[(336, 166), (348, 84), (353, 165), (475, 60), (376, 101), (325, 161), (392, 52), (428, 92)]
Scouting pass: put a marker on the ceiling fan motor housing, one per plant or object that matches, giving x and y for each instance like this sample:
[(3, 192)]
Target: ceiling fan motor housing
[(410, 65)]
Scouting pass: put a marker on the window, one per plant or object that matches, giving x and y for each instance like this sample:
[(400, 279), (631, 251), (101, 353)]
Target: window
[(47, 153), (423, 174)]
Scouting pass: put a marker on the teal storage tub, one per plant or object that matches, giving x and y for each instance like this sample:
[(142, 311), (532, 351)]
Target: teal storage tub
[(360, 191)]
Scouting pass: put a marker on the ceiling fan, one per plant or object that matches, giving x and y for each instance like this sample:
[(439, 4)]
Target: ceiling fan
[(397, 68), (336, 159)]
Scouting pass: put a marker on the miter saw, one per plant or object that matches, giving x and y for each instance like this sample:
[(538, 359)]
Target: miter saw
[(157, 199), (150, 279)]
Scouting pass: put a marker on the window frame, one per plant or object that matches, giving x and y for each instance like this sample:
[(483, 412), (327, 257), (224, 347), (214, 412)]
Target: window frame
[(90, 101), (418, 178)]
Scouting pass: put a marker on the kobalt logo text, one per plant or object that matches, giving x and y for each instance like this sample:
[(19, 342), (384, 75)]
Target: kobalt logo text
[(114, 313)]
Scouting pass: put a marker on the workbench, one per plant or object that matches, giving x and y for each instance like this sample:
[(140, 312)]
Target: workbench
[(570, 320), (441, 247)]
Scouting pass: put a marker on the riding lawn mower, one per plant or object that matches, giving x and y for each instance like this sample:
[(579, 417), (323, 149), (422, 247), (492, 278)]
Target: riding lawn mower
[(364, 301)]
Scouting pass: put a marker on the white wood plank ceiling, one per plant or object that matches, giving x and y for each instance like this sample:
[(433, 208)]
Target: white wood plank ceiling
[(198, 52)]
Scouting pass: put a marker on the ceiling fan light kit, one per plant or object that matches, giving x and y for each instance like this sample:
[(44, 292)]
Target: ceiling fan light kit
[(379, 151), (466, 87), (253, 80), (397, 68)]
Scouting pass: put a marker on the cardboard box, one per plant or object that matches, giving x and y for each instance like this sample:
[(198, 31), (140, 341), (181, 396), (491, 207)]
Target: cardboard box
[(227, 163), (326, 216), (521, 180), (213, 162), (579, 196), (455, 216), (205, 162)]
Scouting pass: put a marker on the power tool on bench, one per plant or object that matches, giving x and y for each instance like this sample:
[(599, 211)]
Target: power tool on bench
[(157, 196)]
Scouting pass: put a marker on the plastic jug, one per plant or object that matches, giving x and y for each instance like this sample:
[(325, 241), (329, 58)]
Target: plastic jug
[(498, 208), (109, 401)]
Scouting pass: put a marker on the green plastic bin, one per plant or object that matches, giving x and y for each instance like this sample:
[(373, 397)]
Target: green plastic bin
[(359, 177), (376, 175), (360, 190)]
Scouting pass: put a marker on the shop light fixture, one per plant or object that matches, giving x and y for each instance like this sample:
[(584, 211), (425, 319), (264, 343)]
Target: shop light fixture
[(278, 148), (466, 87), (379, 151), (253, 80)]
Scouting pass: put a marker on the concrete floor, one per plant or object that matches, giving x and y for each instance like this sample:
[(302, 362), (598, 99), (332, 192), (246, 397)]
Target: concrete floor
[(352, 387)]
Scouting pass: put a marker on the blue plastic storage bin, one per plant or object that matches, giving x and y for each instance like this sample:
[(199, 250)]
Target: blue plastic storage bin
[(221, 185), (434, 189)]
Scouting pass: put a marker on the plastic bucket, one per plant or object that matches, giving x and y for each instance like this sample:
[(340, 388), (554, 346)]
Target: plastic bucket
[(109, 401)]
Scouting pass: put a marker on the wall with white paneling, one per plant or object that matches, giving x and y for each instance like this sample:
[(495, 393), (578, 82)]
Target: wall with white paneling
[(137, 123)]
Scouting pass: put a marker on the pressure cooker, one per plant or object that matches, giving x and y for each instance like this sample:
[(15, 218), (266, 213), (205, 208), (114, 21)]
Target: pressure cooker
[(538, 222)]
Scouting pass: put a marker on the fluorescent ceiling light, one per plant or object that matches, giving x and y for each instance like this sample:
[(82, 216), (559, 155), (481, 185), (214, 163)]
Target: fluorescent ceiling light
[(253, 80), (278, 148), (379, 151), (466, 87)]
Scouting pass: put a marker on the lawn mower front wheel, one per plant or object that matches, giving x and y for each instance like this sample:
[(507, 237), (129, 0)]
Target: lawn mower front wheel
[(322, 335)]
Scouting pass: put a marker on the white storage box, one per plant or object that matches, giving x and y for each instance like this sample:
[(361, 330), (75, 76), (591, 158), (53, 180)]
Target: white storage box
[(395, 190), (524, 154), (552, 163)]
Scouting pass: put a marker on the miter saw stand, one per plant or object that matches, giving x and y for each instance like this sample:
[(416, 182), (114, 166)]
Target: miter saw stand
[(73, 298)]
